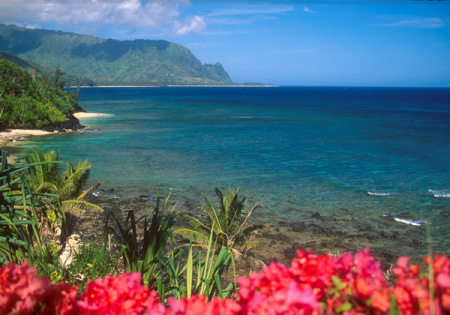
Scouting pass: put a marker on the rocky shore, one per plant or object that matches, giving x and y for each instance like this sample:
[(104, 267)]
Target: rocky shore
[(387, 239)]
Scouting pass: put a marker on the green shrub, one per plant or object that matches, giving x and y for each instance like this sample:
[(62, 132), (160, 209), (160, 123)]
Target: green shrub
[(90, 262)]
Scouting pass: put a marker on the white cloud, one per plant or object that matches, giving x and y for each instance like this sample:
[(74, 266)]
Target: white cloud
[(191, 25), (417, 23), (307, 10), (252, 11), (156, 14)]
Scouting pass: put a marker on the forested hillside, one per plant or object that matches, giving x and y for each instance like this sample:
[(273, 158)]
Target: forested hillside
[(109, 61), (31, 101), (71, 80)]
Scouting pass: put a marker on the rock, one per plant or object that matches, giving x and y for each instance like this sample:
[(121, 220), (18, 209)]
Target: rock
[(316, 229), (317, 216), (298, 227)]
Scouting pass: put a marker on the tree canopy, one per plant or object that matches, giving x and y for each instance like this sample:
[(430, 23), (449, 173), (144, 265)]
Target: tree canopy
[(31, 101)]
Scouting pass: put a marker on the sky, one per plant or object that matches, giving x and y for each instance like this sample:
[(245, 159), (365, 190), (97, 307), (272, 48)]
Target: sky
[(290, 42)]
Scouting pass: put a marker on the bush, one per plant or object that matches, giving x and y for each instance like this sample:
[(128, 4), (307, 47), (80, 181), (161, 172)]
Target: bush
[(313, 284), (90, 262)]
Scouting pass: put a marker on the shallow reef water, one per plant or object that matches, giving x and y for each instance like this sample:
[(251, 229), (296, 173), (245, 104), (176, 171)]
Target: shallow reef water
[(372, 163)]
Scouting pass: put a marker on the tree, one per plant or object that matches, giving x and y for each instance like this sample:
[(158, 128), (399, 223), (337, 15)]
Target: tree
[(47, 178), (29, 103), (227, 224)]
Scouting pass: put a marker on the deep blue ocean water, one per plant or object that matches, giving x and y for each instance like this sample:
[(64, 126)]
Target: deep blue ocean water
[(360, 151)]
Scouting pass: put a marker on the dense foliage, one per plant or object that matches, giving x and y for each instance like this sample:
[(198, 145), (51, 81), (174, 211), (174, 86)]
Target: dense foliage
[(70, 79), (313, 284), (111, 62), (27, 101)]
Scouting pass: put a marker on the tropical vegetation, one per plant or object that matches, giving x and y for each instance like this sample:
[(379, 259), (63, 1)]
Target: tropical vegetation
[(31, 200), (157, 277), (38, 70), (111, 62), (31, 101), (67, 184), (228, 223), (313, 284)]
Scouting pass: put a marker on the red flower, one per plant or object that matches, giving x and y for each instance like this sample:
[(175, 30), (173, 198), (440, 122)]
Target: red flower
[(313, 271), (369, 276), (22, 293), (277, 290), (123, 294), (197, 305)]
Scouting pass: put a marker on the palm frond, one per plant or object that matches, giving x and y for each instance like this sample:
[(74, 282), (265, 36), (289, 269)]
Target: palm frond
[(212, 213), (195, 223), (198, 237), (74, 177), (79, 206), (89, 190)]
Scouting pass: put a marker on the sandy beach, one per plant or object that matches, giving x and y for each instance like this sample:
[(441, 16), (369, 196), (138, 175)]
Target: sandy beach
[(88, 115), (9, 136), (13, 135)]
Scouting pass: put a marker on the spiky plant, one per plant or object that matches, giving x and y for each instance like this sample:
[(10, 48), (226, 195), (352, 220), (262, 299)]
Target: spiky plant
[(228, 222), (47, 178)]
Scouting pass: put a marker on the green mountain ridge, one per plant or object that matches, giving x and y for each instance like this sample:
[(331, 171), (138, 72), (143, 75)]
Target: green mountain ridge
[(112, 62), (69, 79)]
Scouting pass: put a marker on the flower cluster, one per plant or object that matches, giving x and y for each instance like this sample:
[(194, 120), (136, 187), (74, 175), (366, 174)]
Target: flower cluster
[(23, 293), (412, 290), (313, 284)]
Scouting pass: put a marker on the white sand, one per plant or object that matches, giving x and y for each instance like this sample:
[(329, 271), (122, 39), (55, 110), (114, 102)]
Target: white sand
[(88, 115), (12, 135)]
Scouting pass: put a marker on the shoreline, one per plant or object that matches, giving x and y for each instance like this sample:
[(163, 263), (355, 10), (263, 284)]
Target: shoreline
[(81, 115), (9, 136), (317, 231), (176, 85)]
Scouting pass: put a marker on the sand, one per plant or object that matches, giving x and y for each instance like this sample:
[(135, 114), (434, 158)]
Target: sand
[(9, 136), (13, 135), (88, 115)]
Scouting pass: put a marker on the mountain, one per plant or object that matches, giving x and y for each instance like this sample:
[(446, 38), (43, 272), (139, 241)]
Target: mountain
[(109, 61), (69, 79)]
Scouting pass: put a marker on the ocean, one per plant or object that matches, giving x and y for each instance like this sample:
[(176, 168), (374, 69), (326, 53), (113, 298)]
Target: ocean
[(366, 153)]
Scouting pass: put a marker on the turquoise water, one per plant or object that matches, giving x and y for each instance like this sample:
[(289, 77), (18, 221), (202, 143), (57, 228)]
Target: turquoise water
[(364, 152)]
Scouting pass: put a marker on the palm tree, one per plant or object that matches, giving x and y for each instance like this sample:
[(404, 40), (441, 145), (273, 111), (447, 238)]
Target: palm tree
[(68, 185), (226, 223)]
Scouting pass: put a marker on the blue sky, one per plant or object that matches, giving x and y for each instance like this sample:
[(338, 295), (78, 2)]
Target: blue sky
[(325, 43)]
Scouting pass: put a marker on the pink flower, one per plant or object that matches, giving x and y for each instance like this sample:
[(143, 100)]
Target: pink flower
[(197, 305), (277, 290), (313, 272), (369, 276), (22, 293), (123, 294)]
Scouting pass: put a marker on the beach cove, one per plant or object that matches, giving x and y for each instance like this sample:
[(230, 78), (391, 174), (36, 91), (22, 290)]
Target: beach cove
[(336, 169)]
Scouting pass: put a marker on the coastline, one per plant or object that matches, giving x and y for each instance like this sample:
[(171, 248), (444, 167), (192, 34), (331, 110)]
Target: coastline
[(9, 136), (81, 115), (175, 85), (324, 234), (12, 135)]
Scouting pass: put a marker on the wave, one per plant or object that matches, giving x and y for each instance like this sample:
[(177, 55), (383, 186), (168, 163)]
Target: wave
[(380, 194), (411, 222), (440, 193)]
